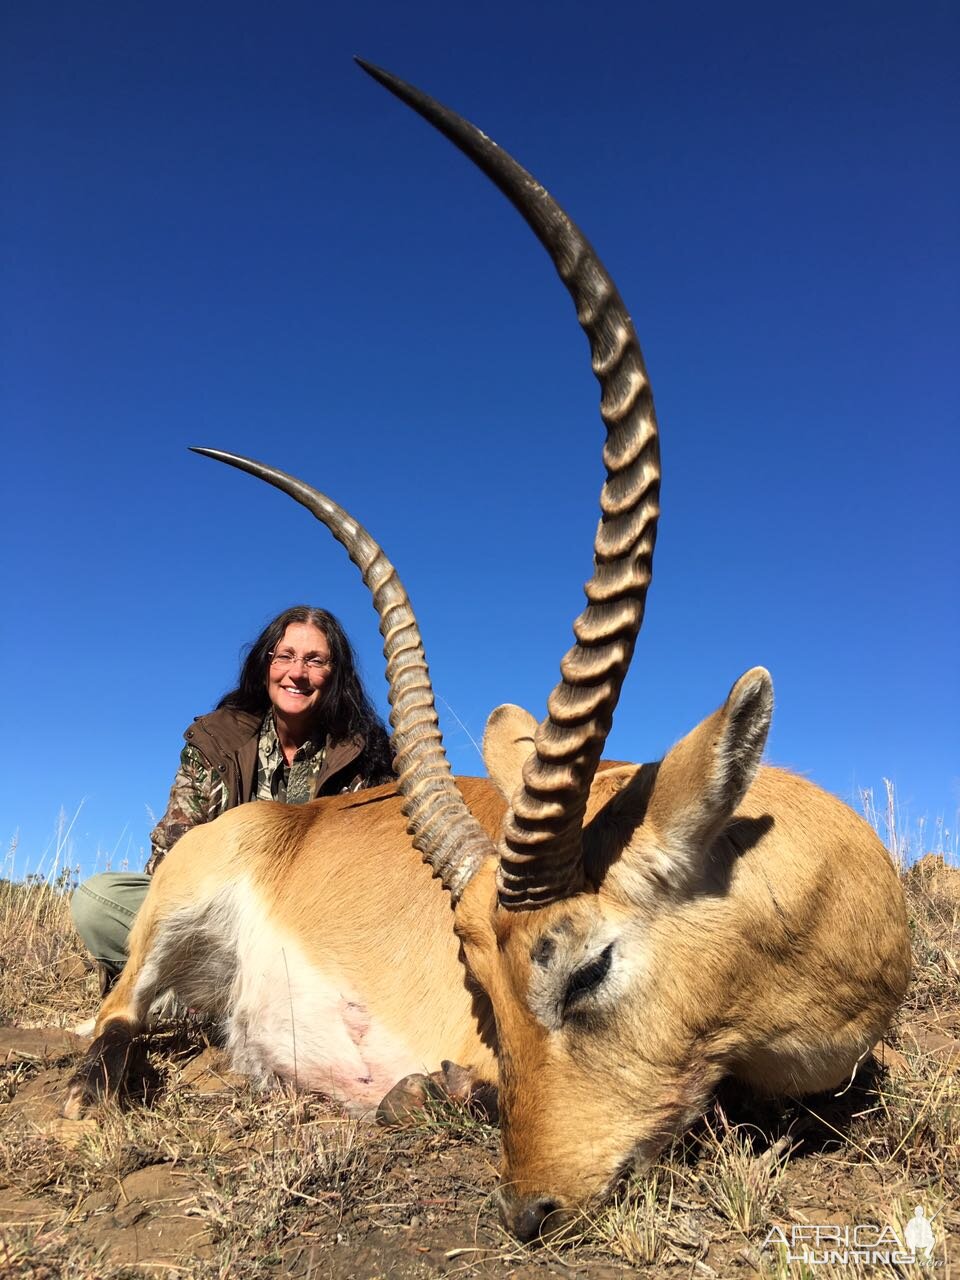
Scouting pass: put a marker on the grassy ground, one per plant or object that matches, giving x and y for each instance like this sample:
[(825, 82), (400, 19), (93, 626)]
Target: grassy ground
[(213, 1180)]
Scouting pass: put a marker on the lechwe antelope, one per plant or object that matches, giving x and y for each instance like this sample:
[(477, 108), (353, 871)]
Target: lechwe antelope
[(619, 938)]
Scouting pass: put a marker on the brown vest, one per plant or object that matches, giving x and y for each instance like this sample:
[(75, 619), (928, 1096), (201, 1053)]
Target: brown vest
[(227, 740)]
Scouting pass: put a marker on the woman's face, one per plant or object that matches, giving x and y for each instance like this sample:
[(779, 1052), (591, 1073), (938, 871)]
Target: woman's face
[(299, 669)]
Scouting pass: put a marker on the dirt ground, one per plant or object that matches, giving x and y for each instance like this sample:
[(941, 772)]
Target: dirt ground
[(203, 1177)]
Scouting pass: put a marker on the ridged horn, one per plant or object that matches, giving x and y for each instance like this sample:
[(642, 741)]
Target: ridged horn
[(444, 830), (540, 849)]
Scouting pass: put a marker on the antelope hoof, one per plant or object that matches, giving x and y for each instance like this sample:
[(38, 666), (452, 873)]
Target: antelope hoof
[(408, 1099), (105, 1070), (461, 1084), (412, 1095), (75, 1102), (87, 1086)]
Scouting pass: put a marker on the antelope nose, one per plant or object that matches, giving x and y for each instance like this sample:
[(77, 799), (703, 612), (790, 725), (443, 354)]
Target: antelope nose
[(527, 1218)]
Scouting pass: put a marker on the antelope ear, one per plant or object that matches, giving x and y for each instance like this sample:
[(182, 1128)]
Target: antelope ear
[(507, 742), (704, 777)]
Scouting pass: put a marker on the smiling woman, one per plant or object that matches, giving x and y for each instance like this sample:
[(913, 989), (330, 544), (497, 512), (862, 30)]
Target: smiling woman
[(298, 725)]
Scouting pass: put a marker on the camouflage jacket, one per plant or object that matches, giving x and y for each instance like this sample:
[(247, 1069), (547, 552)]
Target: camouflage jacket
[(233, 756)]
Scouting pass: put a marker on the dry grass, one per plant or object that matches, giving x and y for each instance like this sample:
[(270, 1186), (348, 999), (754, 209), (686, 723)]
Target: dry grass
[(213, 1180), (739, 1171), (42, 961)]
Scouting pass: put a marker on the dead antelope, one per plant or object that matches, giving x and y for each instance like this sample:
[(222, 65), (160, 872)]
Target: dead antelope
[(619, 938)]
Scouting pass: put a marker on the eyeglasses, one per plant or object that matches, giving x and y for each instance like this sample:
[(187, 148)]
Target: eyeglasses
[(284, 660)]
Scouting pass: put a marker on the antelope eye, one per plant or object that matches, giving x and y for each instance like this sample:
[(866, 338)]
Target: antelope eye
[(589, 977)]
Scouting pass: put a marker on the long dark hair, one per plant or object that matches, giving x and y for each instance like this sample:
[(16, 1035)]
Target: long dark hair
[(344, 709)]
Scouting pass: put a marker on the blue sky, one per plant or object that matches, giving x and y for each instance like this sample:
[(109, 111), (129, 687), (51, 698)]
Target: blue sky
[(218, 231)]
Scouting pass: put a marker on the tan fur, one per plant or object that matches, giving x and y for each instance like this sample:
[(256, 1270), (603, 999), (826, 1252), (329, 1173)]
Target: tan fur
[(507, 741), (766, 939)]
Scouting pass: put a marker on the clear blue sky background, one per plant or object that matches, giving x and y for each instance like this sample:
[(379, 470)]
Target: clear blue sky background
[(216, 230)]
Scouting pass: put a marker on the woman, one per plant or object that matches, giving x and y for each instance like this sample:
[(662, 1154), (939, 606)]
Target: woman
[(298, 725)]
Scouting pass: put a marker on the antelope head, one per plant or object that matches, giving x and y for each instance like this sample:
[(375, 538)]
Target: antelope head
[(582, 951)]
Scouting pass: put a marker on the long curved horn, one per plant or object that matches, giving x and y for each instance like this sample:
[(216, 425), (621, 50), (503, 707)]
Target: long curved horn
[(540, 850), (444, 831)]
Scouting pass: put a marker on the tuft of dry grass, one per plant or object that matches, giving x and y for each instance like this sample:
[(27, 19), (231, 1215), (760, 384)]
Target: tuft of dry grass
[(739, 1171), (916, 1123), (635, 1225), (309, 1160), (46, 977)]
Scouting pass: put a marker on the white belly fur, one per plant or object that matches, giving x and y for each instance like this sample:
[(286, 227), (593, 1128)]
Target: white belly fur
[(287, 1017)]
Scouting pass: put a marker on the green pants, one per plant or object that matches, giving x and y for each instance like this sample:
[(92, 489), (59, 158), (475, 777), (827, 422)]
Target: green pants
[(103, 909)]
